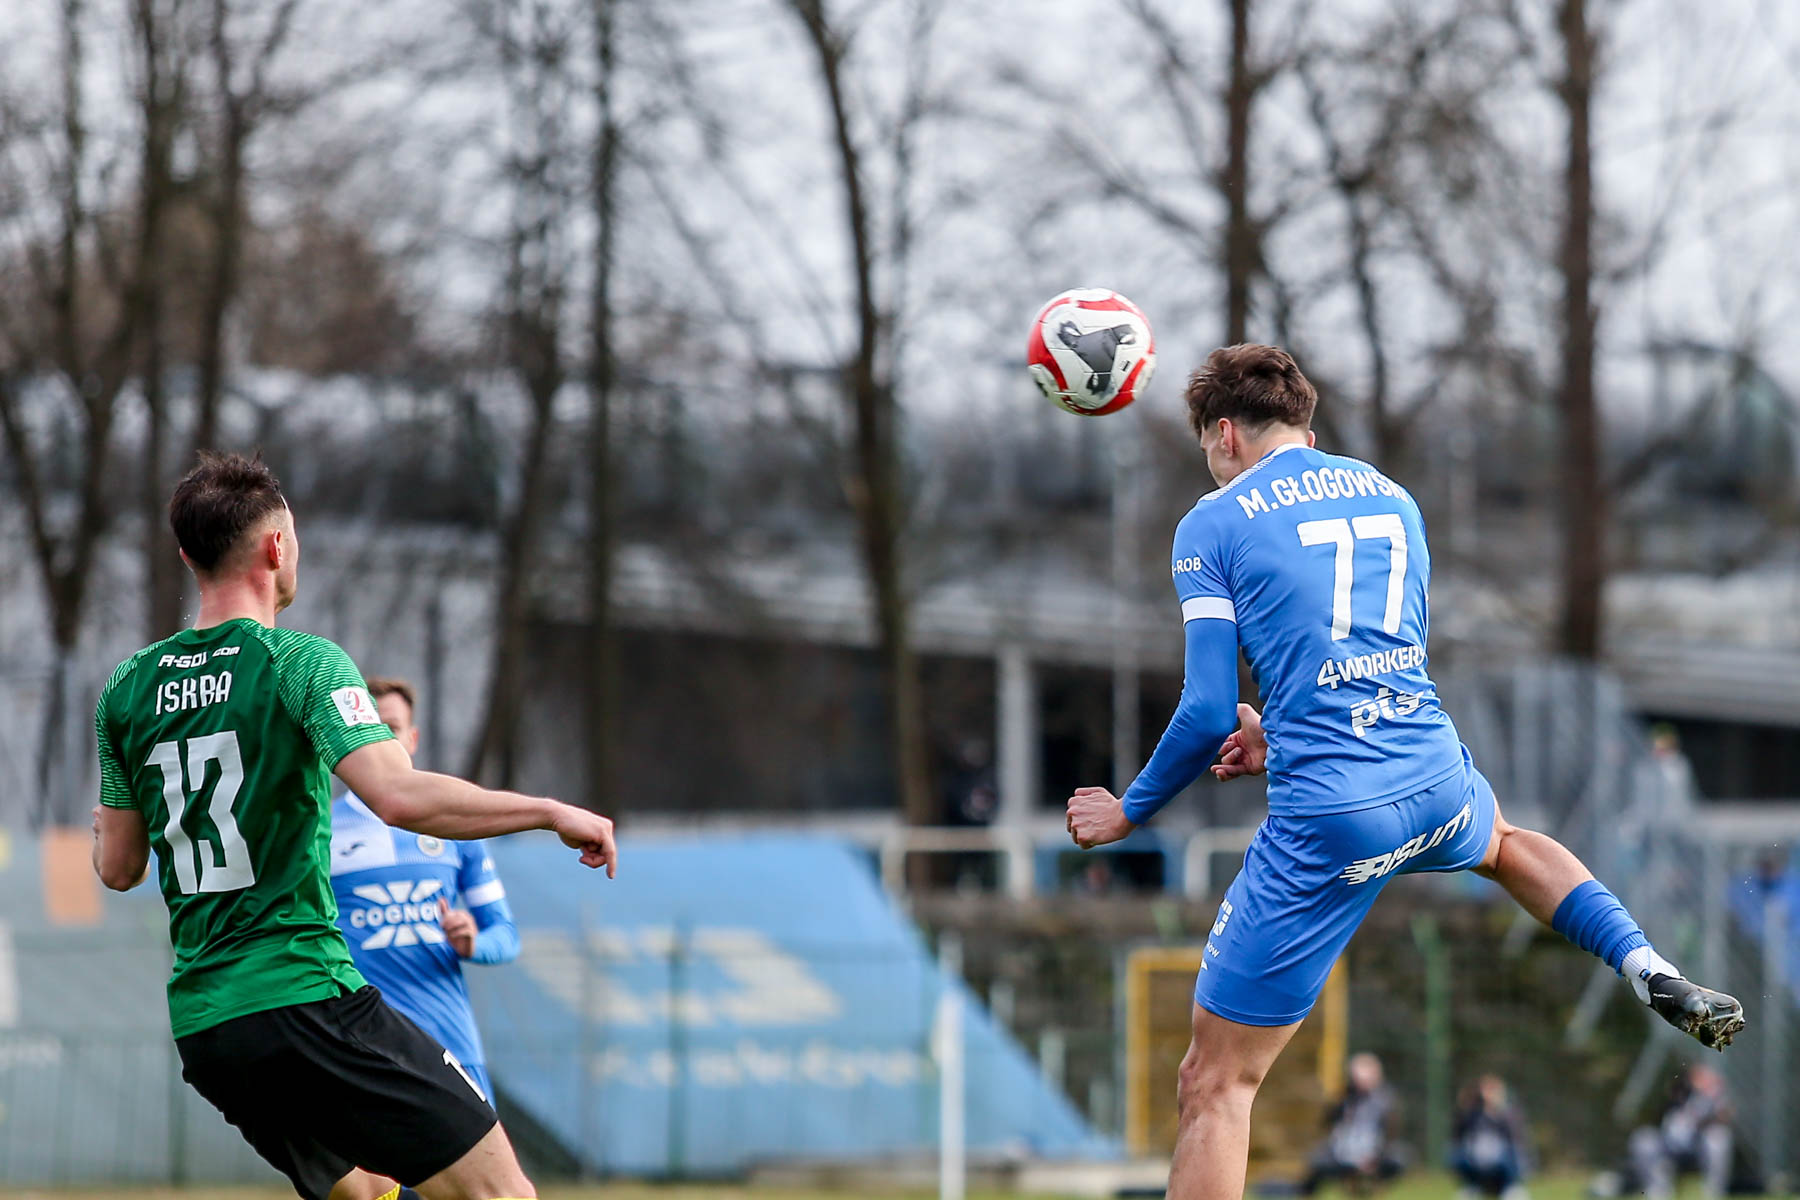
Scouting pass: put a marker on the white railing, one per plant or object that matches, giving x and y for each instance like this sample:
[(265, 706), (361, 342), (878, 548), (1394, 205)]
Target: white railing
[(1016, 846), (1196, 859)]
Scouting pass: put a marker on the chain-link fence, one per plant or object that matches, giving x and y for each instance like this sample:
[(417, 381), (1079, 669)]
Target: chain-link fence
[(644, 1049), (1710, 884), (651, 1057)]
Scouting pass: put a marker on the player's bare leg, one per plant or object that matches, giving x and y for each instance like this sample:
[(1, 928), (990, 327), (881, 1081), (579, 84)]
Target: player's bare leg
[(361, 1185), (1535, 869), (1549, 882), (1225, 1064), (489, 1171)]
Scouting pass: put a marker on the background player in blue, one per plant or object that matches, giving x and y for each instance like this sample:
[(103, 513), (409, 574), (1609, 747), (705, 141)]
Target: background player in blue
[(393, 893), (1316, 567)]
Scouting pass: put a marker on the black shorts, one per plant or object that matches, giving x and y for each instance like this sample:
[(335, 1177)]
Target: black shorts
[(320, 1088)]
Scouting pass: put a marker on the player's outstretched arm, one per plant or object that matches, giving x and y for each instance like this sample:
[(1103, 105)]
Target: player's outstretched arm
[(1204, 718), (383, 776), (1201, 722)]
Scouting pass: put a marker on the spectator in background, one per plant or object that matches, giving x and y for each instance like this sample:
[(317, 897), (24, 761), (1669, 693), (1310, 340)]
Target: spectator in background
[(1673, 773), (1771, 893), (1490, 1150), (1693, 1137), (1359, 1149), (971, 794)]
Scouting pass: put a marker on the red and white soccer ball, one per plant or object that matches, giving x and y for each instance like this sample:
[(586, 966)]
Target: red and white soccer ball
[(1091, 351)]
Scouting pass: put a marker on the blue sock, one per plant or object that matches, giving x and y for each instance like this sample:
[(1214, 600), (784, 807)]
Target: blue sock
[(1592, 917)]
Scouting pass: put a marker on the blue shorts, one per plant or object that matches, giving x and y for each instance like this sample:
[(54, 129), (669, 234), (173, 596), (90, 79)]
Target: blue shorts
[(1307, 883)]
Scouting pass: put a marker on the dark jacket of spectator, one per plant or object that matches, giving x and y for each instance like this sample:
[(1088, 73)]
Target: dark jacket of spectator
[(1359, 1143), (1491, 1151)]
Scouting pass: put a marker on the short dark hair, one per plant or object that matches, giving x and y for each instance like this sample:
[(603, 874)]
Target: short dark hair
[(224, 495), (1251, 385), (387, 685)]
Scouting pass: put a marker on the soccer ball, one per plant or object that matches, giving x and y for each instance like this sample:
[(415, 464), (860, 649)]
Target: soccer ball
[(1091, 351)]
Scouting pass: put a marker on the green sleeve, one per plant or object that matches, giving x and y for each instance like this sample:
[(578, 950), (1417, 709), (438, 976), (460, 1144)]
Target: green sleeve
[(322, 690), (115, 792)]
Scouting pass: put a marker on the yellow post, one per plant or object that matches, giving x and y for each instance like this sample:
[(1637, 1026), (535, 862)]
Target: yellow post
[(1334, 1038), (1158, 1007)]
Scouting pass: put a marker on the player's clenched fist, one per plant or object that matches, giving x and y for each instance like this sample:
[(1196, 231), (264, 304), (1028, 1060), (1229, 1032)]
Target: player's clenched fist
[(1245, 752), (459, 929), (590, 833), (1097, 817)]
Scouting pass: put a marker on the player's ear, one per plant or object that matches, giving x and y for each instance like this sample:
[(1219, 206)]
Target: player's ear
[(1312, 439)]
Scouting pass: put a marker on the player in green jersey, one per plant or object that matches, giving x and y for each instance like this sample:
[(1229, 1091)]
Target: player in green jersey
[(216, 746)]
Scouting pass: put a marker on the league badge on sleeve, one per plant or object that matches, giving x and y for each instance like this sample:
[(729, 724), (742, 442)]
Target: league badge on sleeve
[(355, 706)]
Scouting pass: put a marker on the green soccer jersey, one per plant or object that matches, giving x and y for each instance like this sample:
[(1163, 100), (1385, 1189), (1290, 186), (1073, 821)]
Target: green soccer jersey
[(225, 739)]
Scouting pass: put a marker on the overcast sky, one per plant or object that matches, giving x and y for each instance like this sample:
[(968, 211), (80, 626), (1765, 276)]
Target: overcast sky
[(1695, 138)]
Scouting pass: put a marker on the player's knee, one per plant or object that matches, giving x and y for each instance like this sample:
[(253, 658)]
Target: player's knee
[(493, 1186), (489, 1171), (1207, 1083)]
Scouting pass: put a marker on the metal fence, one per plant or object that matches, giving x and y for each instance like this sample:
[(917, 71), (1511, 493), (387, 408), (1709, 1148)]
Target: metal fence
[(1447, 981), (656, 1083), (1712, 884)]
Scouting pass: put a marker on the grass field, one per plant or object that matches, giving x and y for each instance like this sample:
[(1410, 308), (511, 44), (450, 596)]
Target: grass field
[(1419, 1186)]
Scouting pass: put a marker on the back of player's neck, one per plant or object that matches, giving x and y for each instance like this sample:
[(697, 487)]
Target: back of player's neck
[(1274, 440), (230, 600)]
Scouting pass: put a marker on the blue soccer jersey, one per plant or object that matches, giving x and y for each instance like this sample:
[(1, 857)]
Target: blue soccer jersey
[(389, 884), (1319, 562), (1315, 566)]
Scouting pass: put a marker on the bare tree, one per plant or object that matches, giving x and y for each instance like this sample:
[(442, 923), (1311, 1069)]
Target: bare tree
[(535, 40), (1584, 563), (162, 63), (1396, 100), (69, 327), (1234, 247), (243, 97), (602, 376), (1243, 245), (873, 477)]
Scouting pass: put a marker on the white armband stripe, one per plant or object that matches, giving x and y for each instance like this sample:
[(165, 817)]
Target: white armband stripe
[(1202, 608), (485, 893)]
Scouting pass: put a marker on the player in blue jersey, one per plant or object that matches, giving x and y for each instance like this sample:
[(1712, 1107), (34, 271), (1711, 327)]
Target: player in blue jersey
[(1316, 566), (394, 890)]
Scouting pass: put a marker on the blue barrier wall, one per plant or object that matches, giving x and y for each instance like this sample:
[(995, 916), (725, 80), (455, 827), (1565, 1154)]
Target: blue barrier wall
[(726, 1001), (733, 1000)]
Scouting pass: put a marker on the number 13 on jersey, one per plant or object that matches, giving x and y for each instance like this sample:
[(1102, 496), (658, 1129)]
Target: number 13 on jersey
[(222, 868), (1343, 533)]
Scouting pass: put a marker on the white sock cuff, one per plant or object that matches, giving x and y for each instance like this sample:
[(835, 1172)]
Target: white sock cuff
[(1644, 962), (1640, 965)]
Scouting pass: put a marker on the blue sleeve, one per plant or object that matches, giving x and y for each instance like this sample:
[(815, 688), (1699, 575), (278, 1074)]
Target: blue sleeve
[(496, 937), (1200, 566), (1204, 718)]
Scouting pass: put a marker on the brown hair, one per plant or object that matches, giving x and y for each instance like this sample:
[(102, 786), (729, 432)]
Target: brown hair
[(387, 685), (1250, 385), (216, 502)]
